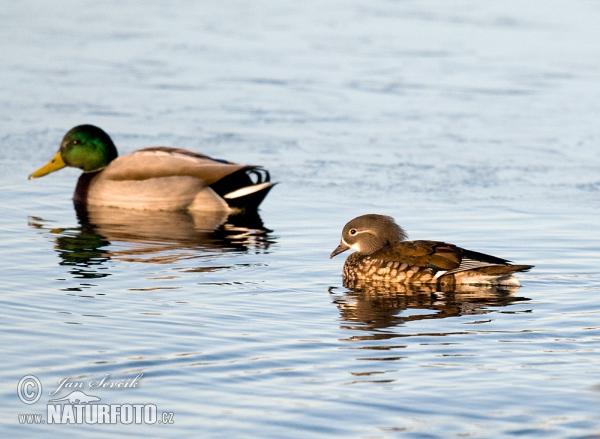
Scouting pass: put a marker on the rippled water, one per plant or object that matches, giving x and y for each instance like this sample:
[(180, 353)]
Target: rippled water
[(474, 123)]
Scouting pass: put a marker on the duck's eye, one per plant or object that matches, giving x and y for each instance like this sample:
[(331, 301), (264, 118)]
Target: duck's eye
[(353, 231)]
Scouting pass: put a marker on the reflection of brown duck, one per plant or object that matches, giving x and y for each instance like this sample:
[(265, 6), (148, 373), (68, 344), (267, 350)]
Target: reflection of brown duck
[(383, 254), (381, 304)]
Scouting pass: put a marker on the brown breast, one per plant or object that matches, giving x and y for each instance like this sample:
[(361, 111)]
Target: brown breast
[(360, 267)]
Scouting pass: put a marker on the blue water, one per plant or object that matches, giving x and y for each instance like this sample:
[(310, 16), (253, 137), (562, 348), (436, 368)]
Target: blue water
[(473, 123)]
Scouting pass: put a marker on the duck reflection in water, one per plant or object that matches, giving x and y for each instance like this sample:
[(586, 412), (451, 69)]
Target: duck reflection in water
[(369, 305), (106, 233)]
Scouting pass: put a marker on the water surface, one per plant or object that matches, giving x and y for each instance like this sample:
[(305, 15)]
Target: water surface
[(471, 123)]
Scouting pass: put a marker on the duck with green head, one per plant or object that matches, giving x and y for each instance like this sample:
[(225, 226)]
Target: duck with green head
[(155, 178)]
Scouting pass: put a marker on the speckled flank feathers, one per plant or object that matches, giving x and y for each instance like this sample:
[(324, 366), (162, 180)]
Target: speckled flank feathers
[(358, 266)]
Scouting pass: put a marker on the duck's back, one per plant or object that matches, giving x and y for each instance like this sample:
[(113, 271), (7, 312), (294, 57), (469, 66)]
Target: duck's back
[(159, 178)]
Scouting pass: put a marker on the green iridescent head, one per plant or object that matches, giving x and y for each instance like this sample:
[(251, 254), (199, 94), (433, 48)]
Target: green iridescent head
[(86, 147)]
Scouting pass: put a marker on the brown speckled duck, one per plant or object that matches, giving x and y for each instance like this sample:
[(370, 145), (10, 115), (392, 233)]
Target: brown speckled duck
[(383, 254)]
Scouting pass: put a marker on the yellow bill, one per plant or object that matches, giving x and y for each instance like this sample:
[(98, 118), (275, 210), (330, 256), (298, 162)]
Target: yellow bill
[(55, 164)]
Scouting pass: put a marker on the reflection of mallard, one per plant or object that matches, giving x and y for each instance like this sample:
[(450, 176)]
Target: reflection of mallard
[(157, 178), (106, 233), (380, 304), (79, 247), (179, 229)]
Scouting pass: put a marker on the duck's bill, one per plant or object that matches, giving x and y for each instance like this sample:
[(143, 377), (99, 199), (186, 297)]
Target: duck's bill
[(55, 164), (339, 249)]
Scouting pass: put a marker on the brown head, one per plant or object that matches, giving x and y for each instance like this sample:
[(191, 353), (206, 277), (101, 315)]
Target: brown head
[(368, 233)]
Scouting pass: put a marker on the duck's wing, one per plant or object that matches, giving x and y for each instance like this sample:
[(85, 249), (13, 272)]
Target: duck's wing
[(430, 254), (160, 162), (444, 258), (241, 186)]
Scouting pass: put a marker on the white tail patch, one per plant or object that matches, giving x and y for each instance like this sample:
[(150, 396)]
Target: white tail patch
[(247, 190)]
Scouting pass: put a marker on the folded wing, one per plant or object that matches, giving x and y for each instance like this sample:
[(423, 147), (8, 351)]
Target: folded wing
[(445, 259), (241, 186)]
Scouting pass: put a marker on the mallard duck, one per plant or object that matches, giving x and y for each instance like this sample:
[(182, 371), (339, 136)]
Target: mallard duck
[(383, 254), (156, 178)]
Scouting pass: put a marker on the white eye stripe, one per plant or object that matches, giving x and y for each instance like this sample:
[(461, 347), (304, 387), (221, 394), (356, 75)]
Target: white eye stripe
[(358, 232)]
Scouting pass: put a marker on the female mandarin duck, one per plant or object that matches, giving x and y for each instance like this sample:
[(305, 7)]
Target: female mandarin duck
[(156, 178), (382, 254)]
